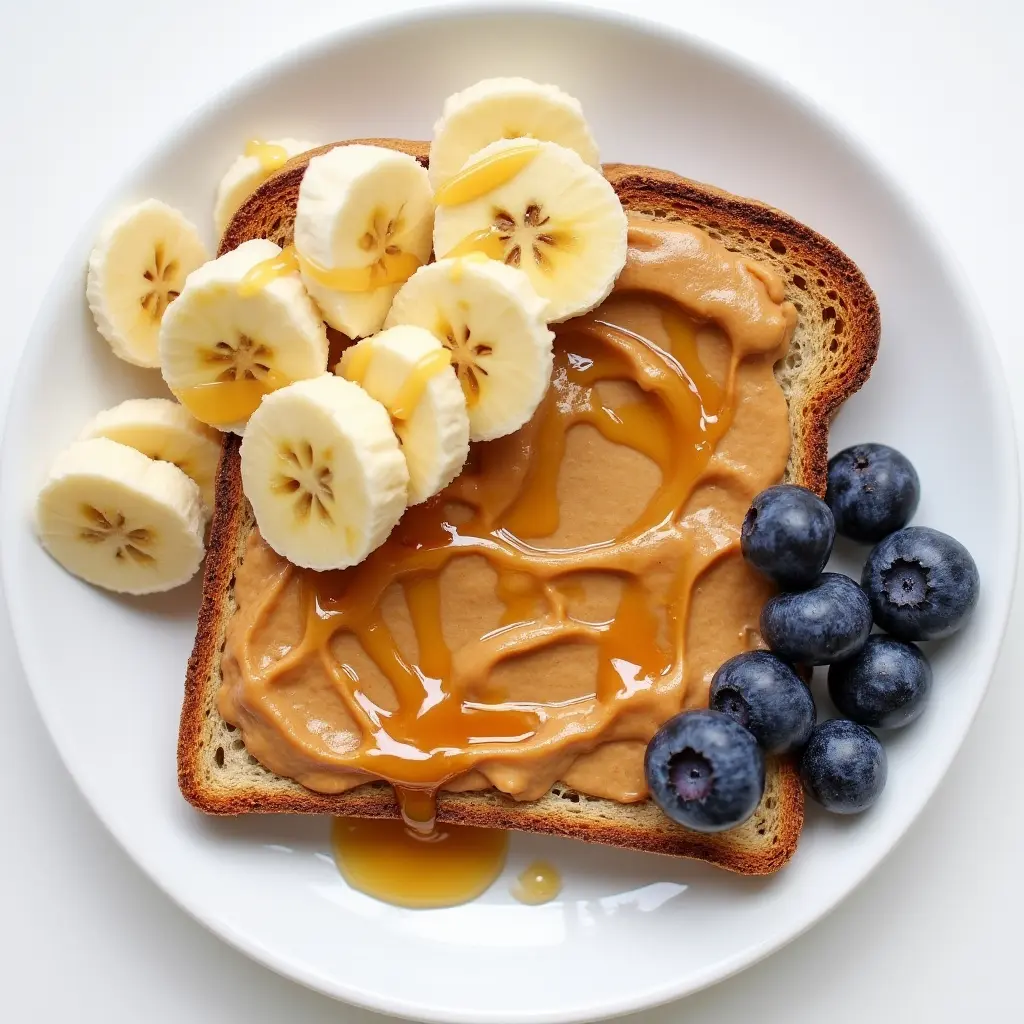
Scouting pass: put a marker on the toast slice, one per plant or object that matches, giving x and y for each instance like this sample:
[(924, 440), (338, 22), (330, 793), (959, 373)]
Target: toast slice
[(831, 354)]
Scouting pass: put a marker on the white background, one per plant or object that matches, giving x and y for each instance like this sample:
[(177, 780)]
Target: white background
[(935, 87)]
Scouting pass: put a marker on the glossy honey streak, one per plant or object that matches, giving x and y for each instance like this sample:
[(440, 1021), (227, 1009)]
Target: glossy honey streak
[(391, 268), (486, 175), (492, 242), (222, 403), (258, 277), (357, 362), (486, 242), (447, 718), (403, 405)]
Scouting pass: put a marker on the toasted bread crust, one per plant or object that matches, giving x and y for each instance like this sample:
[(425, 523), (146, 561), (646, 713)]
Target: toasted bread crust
[(268, 212)]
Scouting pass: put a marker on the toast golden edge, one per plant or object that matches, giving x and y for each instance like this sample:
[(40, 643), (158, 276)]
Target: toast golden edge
[(640, 188)]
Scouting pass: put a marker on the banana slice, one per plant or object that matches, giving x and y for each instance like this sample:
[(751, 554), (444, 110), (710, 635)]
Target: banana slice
[(136, 269), (165, 431), (324, 473), (362, 227), (409, 372), (493, 323), (250, 169), (506, 108), (116, 518), (537, 206), (242, 327)]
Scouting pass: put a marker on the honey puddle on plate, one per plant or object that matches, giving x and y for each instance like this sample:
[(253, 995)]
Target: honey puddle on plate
[(394, 862)]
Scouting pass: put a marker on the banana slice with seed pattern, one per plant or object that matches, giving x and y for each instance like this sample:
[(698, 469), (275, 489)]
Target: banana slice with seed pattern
[(362, 227), (538, 207), (165, 431), (242, 327), (409, 372), (506, 108), (493, 323), (324, 473), (136, 270), (115, 518), (250, 169)]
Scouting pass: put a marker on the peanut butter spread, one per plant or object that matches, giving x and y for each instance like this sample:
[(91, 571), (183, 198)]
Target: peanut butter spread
[(574, 588)]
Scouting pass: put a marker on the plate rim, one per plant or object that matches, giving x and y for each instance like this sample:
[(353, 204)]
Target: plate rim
[(993, 371)]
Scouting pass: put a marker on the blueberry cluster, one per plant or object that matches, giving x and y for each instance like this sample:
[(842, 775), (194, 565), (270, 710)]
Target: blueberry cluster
[(705, 769)]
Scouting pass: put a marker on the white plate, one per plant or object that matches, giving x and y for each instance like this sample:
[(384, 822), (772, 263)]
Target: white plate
[(630, 930)]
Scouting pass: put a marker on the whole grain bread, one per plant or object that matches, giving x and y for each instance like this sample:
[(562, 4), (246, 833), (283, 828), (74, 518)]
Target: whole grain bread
[(831, 354)]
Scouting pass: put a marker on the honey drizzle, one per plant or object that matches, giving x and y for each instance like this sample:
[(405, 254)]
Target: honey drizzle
[(486, 242), (417, 807), (438, 731), (403, 403), (408, 396), (486, 175), (440, 725), (270, 155), (261, 274), (356, 361), (391, 268), (222, 403)]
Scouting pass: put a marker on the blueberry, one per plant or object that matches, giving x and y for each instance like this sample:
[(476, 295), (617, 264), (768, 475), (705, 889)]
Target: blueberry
[(766, 697), (787, 535), (705, 771), (922, 584), (885, 686), (843, 766), (872, 491), (828, 622)]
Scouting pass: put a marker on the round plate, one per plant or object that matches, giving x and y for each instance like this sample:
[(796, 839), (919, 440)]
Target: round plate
[(629, 930)]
